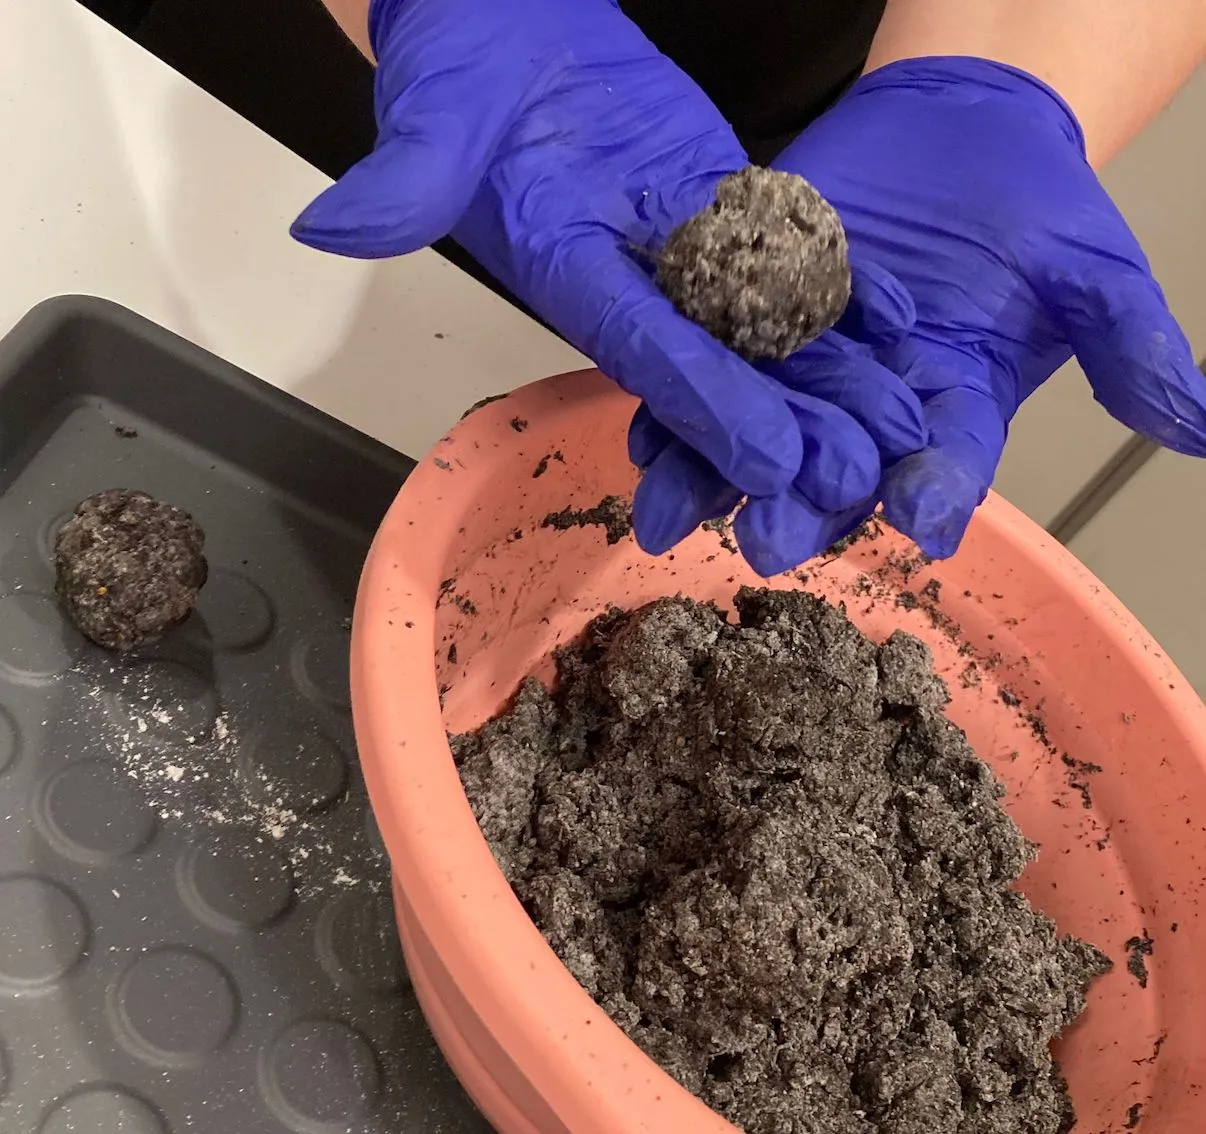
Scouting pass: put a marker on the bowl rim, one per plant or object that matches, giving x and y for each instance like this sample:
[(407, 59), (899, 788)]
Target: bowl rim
[(501, 955)]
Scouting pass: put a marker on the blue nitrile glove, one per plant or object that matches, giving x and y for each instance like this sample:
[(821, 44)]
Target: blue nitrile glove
[(967, 181), (679, 490), (559, 147)]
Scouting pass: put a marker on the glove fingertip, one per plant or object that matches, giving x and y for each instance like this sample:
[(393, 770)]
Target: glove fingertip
[(1134, 353), (1161, 394), (758, 544), (840, 464), (677, 494), (388, 204), (777, 534), (647, 437), (931, 499)]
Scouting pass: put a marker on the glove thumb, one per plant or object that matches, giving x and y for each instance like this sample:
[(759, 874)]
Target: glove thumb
[(1135, 355), (435, 144)]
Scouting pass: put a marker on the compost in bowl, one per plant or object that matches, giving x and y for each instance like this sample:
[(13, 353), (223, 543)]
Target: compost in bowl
[(467, 591)]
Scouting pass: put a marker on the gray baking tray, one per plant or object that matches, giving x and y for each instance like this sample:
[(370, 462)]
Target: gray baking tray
[(195, 924)]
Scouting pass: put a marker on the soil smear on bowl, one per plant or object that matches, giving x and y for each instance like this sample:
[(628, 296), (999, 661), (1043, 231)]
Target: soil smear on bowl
[(1139, 948), (481, 403), (768, 855), (613, 514)]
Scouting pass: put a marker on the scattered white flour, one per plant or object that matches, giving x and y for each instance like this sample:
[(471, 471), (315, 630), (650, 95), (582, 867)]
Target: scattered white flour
[(191, 771)]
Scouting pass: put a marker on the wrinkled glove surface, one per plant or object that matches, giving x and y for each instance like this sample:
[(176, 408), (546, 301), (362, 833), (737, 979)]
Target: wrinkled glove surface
[(967, 181), (560, 148)]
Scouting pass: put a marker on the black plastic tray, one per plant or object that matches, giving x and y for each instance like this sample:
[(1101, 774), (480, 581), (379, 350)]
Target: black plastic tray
[(195, 924)]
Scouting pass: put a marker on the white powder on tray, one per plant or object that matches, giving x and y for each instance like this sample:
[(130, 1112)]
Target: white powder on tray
[(194, 777)]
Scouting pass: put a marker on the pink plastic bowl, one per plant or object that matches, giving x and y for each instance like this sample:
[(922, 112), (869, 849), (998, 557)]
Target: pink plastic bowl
[(462, 560)]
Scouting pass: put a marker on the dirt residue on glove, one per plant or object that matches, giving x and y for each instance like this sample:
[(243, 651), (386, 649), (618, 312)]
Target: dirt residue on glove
[(764, 268), (764, 850)]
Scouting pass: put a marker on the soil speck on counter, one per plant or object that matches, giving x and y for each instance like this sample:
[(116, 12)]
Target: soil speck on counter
[(613, 514), (767, 854)]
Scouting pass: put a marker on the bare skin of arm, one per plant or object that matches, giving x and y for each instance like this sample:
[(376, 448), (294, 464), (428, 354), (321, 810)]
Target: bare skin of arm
[(352, 16), (1118, 63)]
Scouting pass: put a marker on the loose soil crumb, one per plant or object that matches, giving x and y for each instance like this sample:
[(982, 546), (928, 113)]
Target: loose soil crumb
[(723, 528), (489, 400), (767, 854), (1140, 948), (612, 513), (1078, 773), (869, 529)]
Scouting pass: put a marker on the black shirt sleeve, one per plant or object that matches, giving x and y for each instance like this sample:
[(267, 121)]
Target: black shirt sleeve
[(771, 66)]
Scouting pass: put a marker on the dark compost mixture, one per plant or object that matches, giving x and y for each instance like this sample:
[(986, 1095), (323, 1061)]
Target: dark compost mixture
[(767, 854), (128, 568), (764, 268)]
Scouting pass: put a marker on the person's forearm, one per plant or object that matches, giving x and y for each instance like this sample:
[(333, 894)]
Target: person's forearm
[(352, 16), (1116, 62)]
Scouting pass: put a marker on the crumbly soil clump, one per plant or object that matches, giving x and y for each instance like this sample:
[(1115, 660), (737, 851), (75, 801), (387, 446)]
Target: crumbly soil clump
[(764, 268), (767, 854), (128, 568)]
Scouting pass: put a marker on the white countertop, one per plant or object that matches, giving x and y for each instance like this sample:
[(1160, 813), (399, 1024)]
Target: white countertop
[(124, 180)]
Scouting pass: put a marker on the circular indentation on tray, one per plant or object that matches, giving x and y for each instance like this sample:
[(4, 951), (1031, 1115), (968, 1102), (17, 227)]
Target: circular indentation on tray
[(358, 944), (36, 642), (101, 1110), (49, 532), (165, 699), (321, 667), (320, 1076), (10, 740), (174, 1006), (237, 614), (234, 882), (45, 932), (89, 813), (294, 766)]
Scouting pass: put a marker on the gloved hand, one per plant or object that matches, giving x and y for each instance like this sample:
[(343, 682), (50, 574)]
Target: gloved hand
[(559, 147), (967, 181)]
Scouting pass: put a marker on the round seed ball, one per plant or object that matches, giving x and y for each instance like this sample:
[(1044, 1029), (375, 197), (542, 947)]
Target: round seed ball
[(128, 568), (765, 268)]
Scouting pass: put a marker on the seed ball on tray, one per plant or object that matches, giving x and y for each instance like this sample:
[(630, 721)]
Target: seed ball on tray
[(128, 568)]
